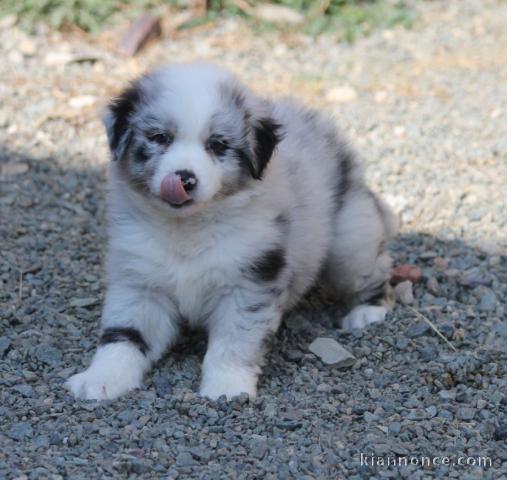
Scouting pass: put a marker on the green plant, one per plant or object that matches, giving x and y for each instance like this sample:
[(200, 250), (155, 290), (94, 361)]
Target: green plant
[(351, 17)]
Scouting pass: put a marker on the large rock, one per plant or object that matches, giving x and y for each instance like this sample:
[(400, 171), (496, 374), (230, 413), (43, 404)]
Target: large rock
[(332, 353)]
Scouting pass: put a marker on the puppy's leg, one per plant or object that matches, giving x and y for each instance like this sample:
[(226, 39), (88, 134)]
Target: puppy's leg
[(136, 329), (237, 330), (359, 264)]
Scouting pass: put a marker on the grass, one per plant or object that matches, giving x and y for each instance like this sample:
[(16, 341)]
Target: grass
[(351, 18)]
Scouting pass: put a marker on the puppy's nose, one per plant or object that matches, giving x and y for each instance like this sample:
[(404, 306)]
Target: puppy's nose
[(188, 179)]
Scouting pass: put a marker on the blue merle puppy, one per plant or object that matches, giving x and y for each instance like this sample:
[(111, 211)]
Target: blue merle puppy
[(225, 208)]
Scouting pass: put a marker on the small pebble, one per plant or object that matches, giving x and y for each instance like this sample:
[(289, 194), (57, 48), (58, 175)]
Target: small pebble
[(417, 329), (394, 428), (20, 431), (84, 302), (403, 292), (487, 301), (440, 263), (466, 413), (49, 355), (433, 286)]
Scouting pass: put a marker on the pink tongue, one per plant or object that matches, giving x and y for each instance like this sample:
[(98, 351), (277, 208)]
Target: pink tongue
[(172, 190)]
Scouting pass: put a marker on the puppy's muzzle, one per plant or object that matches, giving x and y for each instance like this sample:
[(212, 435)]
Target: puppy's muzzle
[(176, 186)]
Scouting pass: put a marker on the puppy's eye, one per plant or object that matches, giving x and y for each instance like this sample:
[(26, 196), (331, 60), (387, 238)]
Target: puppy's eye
[(216, 145), (162, 138)]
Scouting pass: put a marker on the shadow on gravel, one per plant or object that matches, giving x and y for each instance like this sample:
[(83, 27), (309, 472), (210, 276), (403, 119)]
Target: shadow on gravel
[(53, 237)]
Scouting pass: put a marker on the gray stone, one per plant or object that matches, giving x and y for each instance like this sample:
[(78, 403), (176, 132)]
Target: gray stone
[(41, 441), (48, 355), (20, 431), (474, 278), (428, 353), (258, 446), (184, 459), (332, 353), (497, 397), (370, 417), (417, 329), (447, 394), (162, 384), (466, 413), (431, 411), (270, 410), (433, 286), (200, 453), (445, 414), (84, 302), (5, 343), (24, 389), (55, 438), (403, 292), (417, 414), (394, 428), (487, 301)]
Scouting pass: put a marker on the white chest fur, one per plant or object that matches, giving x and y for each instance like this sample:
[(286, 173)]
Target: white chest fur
[(194, 263)]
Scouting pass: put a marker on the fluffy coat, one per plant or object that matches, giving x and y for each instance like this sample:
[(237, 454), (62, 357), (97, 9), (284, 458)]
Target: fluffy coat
[(277, 203)]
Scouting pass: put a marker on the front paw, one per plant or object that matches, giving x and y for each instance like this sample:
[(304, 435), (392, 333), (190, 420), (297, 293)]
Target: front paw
[(115, 370), (228, 381), (94, 384)]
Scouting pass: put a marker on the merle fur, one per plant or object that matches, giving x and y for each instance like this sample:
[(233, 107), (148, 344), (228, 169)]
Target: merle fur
[(124, 334), (267, 136), (345, 166), (268, 266), (121, 108)]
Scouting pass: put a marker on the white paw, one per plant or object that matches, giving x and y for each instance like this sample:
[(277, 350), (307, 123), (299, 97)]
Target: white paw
[(228, 381), (363, 315), (115, 370), (99, 385)]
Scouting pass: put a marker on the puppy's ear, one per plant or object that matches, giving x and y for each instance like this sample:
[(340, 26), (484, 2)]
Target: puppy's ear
[(267, 134), (117, 121)]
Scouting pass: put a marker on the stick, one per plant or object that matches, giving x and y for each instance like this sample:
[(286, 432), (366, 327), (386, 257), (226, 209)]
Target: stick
[(20, 289), (432, 325)]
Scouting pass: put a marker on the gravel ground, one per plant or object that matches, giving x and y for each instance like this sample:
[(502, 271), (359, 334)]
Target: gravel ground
[(427, 109)]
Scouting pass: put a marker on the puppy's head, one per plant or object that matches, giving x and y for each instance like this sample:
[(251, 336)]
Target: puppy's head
[(188, 134)]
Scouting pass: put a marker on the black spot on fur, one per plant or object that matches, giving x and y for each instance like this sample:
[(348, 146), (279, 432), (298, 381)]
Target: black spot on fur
[(267, 267), (121, 109), (124, 334), (267, 136), (282, 219), (245, 160), (345, 165), (141, 154)]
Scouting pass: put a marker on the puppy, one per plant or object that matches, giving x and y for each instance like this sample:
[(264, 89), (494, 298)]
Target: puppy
[(224, 209)]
